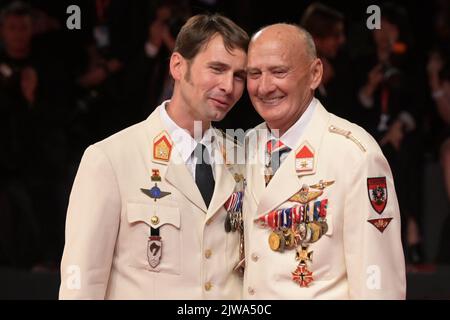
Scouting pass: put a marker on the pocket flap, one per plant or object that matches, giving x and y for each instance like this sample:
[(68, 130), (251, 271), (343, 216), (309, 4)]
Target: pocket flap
[(155, 215)]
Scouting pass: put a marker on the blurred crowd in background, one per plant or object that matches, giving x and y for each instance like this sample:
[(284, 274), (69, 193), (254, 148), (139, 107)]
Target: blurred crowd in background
[(61, 90)]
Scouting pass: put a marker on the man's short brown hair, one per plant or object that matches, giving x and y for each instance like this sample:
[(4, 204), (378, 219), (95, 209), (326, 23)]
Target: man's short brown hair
[(199, 29)]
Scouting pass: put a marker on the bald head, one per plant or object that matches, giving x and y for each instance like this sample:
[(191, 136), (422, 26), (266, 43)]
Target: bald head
[(295, 37), (282, 74)]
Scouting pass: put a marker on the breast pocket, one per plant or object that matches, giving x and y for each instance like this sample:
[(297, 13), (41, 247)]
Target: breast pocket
[(141, 218)]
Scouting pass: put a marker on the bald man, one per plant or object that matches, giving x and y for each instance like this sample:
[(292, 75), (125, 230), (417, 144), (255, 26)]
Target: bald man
[(321, 215)]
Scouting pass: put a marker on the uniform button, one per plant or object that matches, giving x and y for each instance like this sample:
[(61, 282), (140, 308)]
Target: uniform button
[(208, 254), (154, 220), (209, 222), (251, 291), (208, 286), (255, 257)]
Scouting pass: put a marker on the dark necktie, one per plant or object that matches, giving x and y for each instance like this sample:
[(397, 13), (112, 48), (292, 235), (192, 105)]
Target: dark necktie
[(203, 173)]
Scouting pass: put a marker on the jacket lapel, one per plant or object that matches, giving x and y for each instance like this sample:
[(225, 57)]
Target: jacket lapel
[(178, 175), (176, 172), (224, 183), (256, 160), (223, 189)]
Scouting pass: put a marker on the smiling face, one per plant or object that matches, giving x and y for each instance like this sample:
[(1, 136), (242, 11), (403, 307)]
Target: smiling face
[(210, 84), (281, 75)]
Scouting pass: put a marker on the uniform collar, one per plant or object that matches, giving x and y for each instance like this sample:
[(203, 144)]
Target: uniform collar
[(184, 143), (291, 137)]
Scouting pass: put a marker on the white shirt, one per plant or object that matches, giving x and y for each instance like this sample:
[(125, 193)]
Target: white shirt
[(185, 144), (292, 135)]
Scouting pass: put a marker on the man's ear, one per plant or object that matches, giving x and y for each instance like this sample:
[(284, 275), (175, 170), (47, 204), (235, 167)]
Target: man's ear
[(316, 73), (177, 66)]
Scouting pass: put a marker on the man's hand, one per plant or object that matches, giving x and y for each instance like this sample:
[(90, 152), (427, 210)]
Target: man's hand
[(374, 78), (155, 33), (394, 136)]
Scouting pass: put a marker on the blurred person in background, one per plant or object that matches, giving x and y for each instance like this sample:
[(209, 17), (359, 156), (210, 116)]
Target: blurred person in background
[(438, 69), (327, 27), (147, 80), (439, 79), (388, 98), (113, 32), (32, 103)]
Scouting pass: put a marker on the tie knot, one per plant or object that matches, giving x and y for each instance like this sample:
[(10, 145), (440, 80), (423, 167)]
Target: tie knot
[(200, 147), (277, 151), (275, 145), (202, 154)]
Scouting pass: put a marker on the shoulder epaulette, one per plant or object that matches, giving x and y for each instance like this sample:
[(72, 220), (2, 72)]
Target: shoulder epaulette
[(348, 135)]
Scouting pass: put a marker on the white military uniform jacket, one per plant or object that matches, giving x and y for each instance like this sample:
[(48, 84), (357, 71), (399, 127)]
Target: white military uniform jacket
[(355, 258), (109, 219)]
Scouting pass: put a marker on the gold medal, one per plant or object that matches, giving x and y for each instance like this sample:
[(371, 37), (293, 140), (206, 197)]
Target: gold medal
[(238, 177), (324, 226), (274, 241), (315, 231), (277, 241)]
